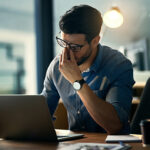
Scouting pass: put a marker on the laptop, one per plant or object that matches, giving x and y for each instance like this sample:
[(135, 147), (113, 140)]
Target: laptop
[(27, 117)]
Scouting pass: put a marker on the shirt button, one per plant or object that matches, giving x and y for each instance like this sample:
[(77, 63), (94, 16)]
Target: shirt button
[(78, 112)]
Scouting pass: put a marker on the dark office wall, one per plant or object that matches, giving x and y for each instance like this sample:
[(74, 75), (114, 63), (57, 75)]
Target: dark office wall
[(44, 38)]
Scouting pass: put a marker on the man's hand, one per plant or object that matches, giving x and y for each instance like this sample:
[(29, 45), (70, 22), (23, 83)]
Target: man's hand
[(68, 66)]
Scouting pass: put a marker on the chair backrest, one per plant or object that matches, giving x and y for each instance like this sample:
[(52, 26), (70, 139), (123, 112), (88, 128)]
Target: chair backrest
[(143, 109)]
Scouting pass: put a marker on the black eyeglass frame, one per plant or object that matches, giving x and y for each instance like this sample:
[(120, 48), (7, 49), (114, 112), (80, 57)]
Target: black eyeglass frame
[(69, 44)]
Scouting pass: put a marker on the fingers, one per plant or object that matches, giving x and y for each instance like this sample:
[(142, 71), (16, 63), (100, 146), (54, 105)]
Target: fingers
[(63, 57), (60, 60), (72, 57), (65, 54)]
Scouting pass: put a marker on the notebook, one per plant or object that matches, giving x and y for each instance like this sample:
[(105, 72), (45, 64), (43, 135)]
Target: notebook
[(95, 146), (27, 117), (123, 138)]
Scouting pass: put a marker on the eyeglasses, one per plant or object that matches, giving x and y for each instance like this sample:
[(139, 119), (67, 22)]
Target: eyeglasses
[(64, 44)]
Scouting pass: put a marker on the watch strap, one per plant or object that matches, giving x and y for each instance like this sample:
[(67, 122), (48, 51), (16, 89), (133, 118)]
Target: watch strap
[(81, 81)]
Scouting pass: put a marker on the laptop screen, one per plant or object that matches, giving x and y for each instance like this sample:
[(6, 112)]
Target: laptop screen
[(27, 117)]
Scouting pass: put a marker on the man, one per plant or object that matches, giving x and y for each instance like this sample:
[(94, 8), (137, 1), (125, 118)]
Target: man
[(94, 81)]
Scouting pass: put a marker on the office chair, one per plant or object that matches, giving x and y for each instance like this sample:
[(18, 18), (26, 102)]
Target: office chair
[(143, 110)]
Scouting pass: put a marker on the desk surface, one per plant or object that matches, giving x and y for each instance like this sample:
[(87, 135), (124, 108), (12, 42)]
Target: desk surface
[(89, 138)]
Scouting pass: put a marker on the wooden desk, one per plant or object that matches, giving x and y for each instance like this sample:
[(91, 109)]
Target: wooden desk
[(89, 138), (139, 85)]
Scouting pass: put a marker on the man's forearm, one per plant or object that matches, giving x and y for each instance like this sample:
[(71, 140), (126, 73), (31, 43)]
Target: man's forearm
[(101, 111)]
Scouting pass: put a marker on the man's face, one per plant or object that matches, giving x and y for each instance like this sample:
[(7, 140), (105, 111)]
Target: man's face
[(84, 52)]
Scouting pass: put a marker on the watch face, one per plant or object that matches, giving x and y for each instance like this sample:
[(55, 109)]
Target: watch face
[(76, 85)]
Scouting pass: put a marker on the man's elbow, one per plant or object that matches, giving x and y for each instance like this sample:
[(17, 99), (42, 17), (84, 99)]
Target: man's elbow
[(115, 129)]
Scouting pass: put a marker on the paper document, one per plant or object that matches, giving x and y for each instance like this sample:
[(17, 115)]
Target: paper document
[(95, 146), (123, 138)]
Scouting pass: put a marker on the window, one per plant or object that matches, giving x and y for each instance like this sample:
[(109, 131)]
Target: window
[(17, 47)]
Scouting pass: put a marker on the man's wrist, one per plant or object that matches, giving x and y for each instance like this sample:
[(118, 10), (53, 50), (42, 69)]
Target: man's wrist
[(77, 85)]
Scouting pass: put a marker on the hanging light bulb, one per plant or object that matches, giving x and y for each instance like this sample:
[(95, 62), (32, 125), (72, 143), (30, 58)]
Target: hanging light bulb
[(113, 18)]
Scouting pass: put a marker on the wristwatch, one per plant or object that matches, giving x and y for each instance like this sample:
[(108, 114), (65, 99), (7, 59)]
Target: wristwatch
[(77, 85)]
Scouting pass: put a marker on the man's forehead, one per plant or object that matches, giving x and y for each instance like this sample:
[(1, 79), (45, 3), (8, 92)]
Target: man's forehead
[(72, 37)]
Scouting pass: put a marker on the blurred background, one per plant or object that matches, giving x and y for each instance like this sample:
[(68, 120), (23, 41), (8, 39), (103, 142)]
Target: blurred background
[(27, 39)]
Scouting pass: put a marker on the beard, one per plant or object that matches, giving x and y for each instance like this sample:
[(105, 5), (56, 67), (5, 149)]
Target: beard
[(84, 58)]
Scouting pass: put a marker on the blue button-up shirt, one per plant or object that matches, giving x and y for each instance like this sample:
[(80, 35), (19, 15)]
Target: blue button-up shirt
[(110, 77)]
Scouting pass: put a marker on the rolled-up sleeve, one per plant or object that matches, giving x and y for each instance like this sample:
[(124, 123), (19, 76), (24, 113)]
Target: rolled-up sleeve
[(50, 91), (120, 98), (120, 95)]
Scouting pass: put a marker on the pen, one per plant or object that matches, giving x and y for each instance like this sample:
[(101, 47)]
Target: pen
[(121, 143), (124, 146)]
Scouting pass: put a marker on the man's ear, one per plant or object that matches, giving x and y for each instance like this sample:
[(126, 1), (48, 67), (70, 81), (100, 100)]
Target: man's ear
[(95, 41)]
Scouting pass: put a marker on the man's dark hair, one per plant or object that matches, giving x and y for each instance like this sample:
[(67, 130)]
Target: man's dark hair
[(82, 19)]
